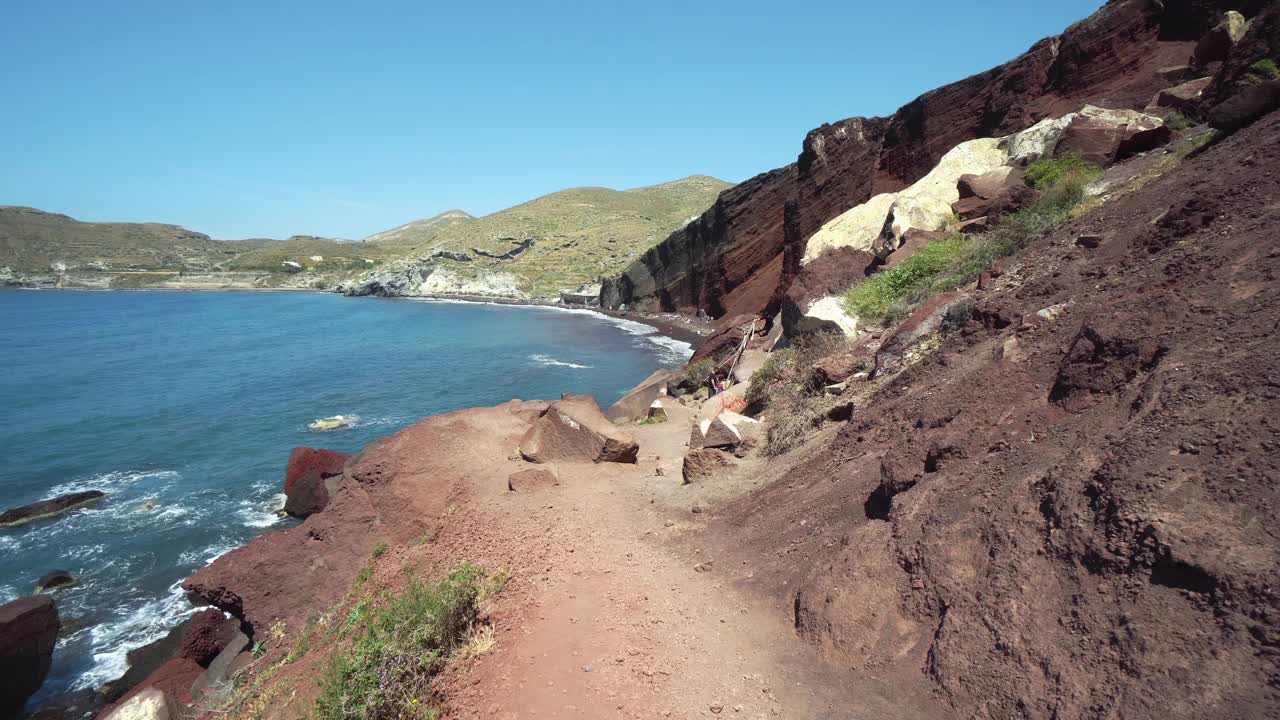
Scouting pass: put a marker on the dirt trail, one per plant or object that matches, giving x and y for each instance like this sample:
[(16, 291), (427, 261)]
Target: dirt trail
[(610, 612)]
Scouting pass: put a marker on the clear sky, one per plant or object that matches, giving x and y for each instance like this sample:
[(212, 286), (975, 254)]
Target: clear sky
[(268, 119)]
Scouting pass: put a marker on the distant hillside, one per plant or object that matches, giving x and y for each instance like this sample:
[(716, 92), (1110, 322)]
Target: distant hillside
[(413, 234), (33, 240), (576, 234)]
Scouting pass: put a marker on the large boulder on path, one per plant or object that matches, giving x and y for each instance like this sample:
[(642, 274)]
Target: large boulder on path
[(912, 338), (635, 404), (840, 366), (49, 508), (28, 632), (1217, 43), (705, 464), (574, 430), (305, 487), (151, 704)]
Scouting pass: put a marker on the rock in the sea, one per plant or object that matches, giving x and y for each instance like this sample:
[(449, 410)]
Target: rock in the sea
[(705, 464), (28, 632), (55, 579), (49, 508), (530, 479), (574, 430), (635, 404), (151, 704), (307, 479)]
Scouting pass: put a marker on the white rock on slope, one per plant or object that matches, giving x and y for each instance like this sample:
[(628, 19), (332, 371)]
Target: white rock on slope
[(880, 223)]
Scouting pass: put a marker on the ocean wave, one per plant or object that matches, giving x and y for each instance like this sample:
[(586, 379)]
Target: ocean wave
[(112, 482), (673, 351), (206, 556), (548, 361), (110, 642), (259, 514)]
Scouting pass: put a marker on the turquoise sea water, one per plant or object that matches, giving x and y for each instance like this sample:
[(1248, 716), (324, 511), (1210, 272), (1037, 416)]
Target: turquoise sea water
[(192, 402)]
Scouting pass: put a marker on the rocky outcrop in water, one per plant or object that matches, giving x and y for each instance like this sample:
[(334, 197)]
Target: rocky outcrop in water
[(49, 508)]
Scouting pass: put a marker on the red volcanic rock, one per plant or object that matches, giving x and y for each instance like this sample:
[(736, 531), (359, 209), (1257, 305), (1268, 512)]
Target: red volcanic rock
[(206, 636), (912, 241), (1233, 80), (831, 273), (305, 489), (841, 366), (705, 464), (28, 631), (993, 194), (1094, 140), (531, 479), (394, 491), (724, 341), (574, 430), (1182, 97), (895, 352), (743, 253), (173, 678), (727, 262)]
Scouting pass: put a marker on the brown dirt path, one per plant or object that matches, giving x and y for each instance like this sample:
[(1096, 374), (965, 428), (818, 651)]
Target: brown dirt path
[(606, 616)]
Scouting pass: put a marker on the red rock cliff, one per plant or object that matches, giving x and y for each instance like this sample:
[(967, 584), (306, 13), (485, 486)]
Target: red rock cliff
[(739, 256)]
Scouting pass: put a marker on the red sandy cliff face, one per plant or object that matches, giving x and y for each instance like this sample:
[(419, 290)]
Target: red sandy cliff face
[(1084, 528), (739, 257)]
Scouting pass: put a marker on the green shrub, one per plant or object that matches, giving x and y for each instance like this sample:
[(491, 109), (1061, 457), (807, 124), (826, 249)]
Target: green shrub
[(775, 366), (1176, 121), (1047, 173), (699, 373), (1262, 71), (386, 671), (957, 260)]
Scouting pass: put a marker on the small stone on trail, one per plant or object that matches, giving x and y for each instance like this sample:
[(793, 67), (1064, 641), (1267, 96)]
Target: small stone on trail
[(697, 509), (586, 668), (717, 708), (1089, 241)]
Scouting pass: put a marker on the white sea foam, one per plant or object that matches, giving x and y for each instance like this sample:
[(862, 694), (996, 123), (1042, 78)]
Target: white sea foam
[(112, 641), (673, 351), (112, 482), (206, 556), (548, 361), (259, 514)]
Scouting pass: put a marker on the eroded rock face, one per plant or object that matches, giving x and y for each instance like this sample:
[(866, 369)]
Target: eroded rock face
[(726, 339), (741, 255), (907, 342), (812, 303), (305, 487), (28, 632), (207, 635), (1216, 44), (574, 430)]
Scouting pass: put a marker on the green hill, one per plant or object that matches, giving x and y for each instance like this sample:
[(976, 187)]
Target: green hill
[(577, 234), (413, 235)]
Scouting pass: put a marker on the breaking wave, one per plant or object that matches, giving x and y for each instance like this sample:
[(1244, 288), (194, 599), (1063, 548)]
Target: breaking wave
[(548, 361)]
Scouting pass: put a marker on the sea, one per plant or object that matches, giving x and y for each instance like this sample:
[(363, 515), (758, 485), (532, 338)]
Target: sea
[(184, 406)]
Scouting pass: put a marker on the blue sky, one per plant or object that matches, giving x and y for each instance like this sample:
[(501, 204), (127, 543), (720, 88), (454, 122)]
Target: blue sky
[(271, 119)]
